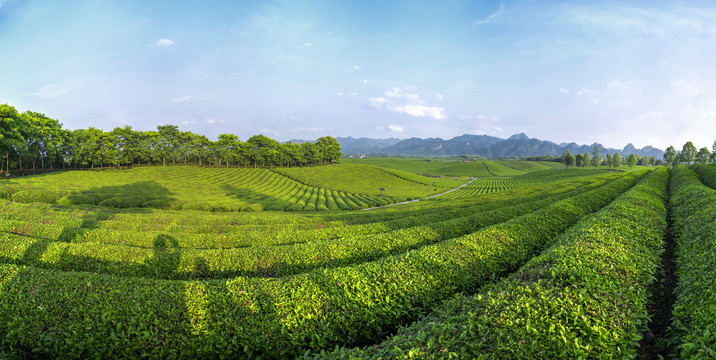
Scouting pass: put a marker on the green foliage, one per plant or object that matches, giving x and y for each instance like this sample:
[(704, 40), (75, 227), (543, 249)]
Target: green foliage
[(693, 207), (585, 296), (222, 189), (58, 294)]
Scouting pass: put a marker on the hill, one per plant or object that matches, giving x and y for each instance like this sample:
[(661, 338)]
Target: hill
[(518, 145)]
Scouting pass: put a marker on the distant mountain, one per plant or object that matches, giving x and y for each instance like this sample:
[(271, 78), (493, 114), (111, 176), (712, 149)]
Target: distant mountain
[(460, 145), (365, 146), (518, 145)]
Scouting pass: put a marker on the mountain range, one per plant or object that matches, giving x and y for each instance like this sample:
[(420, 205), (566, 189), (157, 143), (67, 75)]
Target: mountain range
[(518, 145)]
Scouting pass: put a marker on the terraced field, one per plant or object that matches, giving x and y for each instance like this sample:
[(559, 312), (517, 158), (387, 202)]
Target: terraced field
[(490, 185), (559, 264), (457, 167), (226, 189)]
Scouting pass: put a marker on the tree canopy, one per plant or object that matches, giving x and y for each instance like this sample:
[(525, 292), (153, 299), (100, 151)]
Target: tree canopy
[(34, 139)]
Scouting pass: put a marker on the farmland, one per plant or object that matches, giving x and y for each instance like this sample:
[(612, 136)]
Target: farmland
[(192, 262)]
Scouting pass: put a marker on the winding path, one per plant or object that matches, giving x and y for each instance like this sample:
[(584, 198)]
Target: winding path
[(425, 198)]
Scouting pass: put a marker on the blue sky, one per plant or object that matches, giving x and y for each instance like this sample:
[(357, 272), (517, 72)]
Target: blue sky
[(612, 72)]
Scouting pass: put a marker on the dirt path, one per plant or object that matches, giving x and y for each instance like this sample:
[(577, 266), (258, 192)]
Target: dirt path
[(425, 198)]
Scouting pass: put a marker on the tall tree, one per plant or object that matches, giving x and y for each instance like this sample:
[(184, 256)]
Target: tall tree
[(587, 159), (168, 142), (617, 160), (703, 156), (670, 156), (12, 132), (608, 160), (579, 160), (328, 148), (631, 160), (227, 147), (688, 152), (596, 155), (568, 159)]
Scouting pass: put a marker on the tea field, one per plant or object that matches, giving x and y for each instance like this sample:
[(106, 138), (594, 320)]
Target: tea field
[(187, 262)]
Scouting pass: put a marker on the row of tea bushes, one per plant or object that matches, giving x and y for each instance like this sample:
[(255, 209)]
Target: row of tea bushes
[(707, 174), (169, 257), (693, 207), (49, 313), (584, 297)]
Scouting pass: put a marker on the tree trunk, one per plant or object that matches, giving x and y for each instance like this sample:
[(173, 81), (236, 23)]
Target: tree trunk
[(164, 161)]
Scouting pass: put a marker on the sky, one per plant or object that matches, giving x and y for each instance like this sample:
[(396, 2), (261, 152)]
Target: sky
[(613, 72)]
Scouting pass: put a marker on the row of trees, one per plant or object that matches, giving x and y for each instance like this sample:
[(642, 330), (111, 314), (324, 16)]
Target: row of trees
[(32, 139), (689, 155), (612, 161)]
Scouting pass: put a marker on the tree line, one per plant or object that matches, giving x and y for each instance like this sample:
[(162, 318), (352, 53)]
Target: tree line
[(689, 155), (611, 161), (30, 139)]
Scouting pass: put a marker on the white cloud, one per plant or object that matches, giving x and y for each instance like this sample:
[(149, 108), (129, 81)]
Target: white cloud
[(365, 81), (164, 43), (314, 129), (395, 128), (398, 93), (211, 121), (491, 16), (564, 91), (307, 44), (356, 67), (434, 112), (181, 99), (49, 91), (440, 96), (377, 102), (398, 101)]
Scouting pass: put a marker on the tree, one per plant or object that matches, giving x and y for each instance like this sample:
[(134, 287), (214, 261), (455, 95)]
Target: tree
[(688, 152), (12, 132), (168, 142), (631, 160), (617, 160), (568, 159), (262, 149), (596, 155), (670, 156), (587, 159), (608, 160), (125, 143), (703, 156), (713, 153), (579, 160), (227, 147), (328, 148)]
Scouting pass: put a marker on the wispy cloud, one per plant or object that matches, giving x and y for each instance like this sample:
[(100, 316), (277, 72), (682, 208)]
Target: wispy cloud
[(314, 129), (164, 43), (490, 17), (49, 91), (181, 99)]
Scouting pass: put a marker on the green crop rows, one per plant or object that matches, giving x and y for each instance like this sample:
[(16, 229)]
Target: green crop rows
[(490, 185), (221, 189), (694, 213), (557, 264)]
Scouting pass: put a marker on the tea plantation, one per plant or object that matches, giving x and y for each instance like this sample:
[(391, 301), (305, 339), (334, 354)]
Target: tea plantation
[(204, 262)]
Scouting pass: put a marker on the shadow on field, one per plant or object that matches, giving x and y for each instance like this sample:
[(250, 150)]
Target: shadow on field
[(268, 202), (138, 194)]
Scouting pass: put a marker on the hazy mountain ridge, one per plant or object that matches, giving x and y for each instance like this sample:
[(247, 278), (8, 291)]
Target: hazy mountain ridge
[(518, 145)]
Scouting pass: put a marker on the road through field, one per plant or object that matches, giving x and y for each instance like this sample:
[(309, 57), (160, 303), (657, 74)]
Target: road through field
[(425, 198)]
